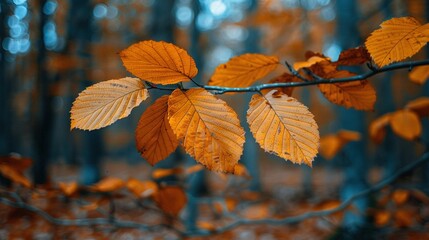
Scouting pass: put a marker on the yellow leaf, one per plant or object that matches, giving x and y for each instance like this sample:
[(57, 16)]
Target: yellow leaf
[(283, 126), (419, 106), (377, 128), (154, 137), (243, 70), (397, 39), (159, 62), (357, 94), (347, 135), (419, 74), (68, 188), (208, 128), (142, 189), (103, 103), (108, 184), (170, 199), (310, 62), (406, 124)]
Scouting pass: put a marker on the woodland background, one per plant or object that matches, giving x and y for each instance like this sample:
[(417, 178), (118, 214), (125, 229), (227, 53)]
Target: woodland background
[(51, 50)]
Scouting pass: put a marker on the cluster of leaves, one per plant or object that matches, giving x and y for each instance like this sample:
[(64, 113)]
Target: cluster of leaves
[(207, 128)]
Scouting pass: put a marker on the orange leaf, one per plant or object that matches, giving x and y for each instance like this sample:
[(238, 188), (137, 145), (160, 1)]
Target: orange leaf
[(142, 189), (14, 175), (354, 56), (170, 199), (404, 218), (284, 78), (240, 170), (208, 128), (331, 144), (193, 169), (377, 128), (310, 62), (206, 225), (419, 106), (154, 137), (108, 184), (104, 103), (16, 162), (159, 62), (283, 126), (68, 188), (406, 124), (243, 70), (400, 196), (258, 211), (419, 74), (382, 218), (165, 172), (397, 39), (357, 94)]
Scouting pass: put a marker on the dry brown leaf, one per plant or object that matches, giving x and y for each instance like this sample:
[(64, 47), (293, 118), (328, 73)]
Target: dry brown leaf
[(419, 106), (165, 172), (69, 188), (377, 128), (159, 62), (227, 206), (108, 184), (406, 124), (284, 78), (404, 218), (283, 126), (400, 196), (357, 94), (14, 175), (154, 137), (419, 74), (206, 225), (142, 189), (354, 56), (397, 39), (170, 199), (209, 129), (310, 62), (243, 70), (103, 103)]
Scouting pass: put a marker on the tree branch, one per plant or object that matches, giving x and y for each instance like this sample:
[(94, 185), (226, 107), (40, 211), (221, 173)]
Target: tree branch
[(307, 82)]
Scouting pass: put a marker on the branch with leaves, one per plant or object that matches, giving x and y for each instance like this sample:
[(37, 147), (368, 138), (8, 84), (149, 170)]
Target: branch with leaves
[(208, 129), (12, 199)]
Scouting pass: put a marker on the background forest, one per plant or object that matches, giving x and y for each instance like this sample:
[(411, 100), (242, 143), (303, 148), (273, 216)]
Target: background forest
[(51, 50)]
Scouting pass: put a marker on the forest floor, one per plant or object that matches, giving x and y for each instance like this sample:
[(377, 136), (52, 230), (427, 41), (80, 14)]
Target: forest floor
[(396, 215)]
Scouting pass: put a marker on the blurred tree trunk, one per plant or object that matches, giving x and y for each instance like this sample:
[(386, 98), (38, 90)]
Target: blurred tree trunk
[(42, 112), (251, 149), (5, 89), (80, 32), (425, 137), (347, 36)]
